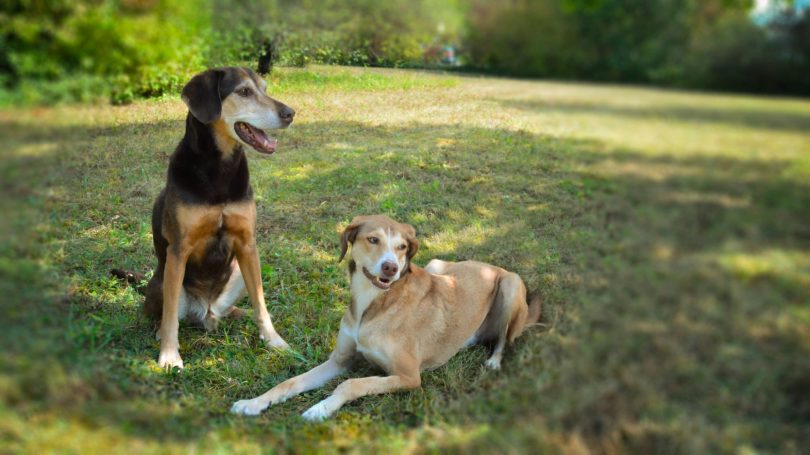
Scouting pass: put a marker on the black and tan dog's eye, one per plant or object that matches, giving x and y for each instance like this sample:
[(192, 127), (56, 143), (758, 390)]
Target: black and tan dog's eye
[(244, 91), (402, 247), (373, 240)]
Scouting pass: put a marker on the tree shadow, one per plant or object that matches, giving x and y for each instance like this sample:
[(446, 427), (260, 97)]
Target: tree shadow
[(736, 116)]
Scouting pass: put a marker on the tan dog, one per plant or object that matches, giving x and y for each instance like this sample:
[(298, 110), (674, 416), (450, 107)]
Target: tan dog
[(406, 319)]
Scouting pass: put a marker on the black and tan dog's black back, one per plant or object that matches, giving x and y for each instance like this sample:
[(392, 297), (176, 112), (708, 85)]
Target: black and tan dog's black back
[(203, 222)]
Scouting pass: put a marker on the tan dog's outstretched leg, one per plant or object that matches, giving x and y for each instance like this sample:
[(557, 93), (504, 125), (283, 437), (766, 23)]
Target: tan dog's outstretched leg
[(405, 376), (312, 379)]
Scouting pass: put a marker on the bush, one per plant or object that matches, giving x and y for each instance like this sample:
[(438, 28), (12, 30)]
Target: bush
[(507, 39), (739, 55), (704, 44), (71, 51)]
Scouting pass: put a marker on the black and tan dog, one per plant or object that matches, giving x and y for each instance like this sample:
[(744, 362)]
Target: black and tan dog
[(405, 319), (203, 222)]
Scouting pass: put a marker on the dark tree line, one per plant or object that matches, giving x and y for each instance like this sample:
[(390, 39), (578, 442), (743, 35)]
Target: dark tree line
[(690, 43)]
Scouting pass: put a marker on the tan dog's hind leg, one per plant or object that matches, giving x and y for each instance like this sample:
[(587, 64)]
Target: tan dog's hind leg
[(437, 266), (169, 325), (312, 379), (404, 377), (510, 303)]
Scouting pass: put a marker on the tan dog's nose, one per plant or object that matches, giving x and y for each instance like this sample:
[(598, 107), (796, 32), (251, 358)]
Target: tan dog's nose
[(389, 268)]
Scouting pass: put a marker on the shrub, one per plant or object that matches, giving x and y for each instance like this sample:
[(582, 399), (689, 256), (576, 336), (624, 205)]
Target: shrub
[(739, 55), (75, 50)]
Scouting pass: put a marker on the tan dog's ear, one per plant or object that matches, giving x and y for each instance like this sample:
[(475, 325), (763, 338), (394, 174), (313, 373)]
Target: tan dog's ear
[(348, 236), (413, 244), (202, 97)]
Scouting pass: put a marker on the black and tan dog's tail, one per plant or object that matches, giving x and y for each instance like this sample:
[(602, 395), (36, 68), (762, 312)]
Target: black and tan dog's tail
[(133, 278), (535, 307)]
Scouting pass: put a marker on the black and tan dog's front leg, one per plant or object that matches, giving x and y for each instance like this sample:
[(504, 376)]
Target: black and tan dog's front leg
[(240, 223), (174, 272)]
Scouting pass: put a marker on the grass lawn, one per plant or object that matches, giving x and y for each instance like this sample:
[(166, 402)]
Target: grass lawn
[(668, 233)]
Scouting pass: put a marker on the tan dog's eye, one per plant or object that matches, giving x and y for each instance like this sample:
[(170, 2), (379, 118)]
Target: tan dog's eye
[(244, 91), (373, 240), (402, 247)]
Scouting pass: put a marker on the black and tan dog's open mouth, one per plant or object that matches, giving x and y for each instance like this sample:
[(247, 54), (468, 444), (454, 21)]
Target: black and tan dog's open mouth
[(382, 283), (257, 138)]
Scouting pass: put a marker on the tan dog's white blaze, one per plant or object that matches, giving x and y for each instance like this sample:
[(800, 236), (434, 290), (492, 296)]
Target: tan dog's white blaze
[(415, 319)]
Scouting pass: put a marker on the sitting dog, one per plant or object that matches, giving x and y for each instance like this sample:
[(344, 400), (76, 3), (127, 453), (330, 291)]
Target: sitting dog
[(404, 319), (204, 220)]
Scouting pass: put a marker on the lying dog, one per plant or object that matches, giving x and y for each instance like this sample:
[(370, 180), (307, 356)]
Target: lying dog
[(204, 220), (405, 319)]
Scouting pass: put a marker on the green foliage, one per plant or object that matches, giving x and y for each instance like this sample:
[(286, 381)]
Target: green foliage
[(354, 32), (529, 38), (708, 44), (62, 51), (148, 48), (738, 55), (74, 50)]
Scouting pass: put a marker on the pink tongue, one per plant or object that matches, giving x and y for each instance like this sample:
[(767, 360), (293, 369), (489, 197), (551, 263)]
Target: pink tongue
[(263, 142)]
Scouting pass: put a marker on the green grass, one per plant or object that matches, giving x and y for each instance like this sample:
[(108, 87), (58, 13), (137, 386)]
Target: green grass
[(668, 233)]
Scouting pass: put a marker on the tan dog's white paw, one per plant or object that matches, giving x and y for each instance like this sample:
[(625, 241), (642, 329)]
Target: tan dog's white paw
[(170, 359), (317, 413), (494, 364), (252, 407)]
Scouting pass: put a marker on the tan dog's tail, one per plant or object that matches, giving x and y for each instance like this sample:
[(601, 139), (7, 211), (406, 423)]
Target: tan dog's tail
[(535, 307)]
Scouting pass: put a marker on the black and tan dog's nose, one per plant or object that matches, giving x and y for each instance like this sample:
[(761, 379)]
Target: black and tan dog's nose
[(389, 268), (286, 114)]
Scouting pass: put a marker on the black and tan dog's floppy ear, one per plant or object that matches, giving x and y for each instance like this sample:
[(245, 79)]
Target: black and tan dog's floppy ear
[(201, 95), (349, 235), (413, 244)]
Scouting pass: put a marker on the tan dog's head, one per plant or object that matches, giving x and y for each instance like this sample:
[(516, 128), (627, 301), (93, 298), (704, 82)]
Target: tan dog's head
[(235, 103), (381, 248)]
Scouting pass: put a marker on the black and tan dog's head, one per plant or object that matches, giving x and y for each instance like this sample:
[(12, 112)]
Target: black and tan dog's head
[(234, 103), (381, 248)]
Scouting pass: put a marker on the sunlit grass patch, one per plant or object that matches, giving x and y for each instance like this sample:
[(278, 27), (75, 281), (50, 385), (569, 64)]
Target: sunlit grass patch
[(324, 78)]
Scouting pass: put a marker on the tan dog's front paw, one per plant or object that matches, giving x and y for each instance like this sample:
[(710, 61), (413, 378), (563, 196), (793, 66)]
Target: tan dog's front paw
[(252, 407), (317, 413), (170, 359)]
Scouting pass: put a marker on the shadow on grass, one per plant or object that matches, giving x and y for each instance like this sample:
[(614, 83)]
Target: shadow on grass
[(627, 250), (735, 116)]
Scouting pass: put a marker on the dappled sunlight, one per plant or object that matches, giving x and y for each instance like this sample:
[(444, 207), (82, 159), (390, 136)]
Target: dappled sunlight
[(295, 173), (777, 264), (446, 243), (719, 199), (40, 150)]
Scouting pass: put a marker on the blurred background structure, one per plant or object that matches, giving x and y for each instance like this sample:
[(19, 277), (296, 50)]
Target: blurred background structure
[(77, 50)]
